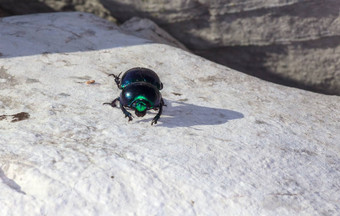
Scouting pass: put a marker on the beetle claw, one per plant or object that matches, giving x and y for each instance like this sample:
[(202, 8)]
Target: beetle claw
[(155, 119), (129, 116)]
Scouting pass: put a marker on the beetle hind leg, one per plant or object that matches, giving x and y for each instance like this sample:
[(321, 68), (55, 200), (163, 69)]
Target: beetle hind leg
[(117, 79)]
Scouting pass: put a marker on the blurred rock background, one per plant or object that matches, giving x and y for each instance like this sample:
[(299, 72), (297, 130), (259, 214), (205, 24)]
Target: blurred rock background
[(19, 7), (290, 42)]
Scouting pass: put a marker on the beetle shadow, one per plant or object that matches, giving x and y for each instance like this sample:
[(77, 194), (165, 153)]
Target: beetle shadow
[(181, 114)]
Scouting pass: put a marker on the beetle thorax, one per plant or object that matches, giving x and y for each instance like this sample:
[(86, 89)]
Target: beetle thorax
[(140, 106)]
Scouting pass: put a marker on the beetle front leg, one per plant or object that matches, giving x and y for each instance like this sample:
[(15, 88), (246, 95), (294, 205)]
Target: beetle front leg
[(117, 79), (155, 119), (127, 114), (113, 103)]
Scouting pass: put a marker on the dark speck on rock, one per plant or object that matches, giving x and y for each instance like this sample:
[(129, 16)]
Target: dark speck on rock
[(29, 80), (16, 117), (260, 122), (177, 94), (64, 95), (20, 116)]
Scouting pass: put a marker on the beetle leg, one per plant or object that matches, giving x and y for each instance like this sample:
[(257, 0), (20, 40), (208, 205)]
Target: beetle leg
[(113, 103), (155, 119), (127, 114), (117, 79)]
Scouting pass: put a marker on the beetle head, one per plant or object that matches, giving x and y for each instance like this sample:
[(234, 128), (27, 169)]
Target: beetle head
[(140, 108), (140, 114)]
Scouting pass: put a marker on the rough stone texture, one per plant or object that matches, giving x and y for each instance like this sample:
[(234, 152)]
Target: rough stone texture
[(226, 144), (294, 42), (43, 6), (147, 29)]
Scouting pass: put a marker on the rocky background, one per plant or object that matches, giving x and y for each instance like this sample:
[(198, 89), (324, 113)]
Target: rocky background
[(292, 42)]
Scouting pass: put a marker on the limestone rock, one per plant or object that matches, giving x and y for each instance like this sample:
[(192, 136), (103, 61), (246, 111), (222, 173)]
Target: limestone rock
[(147, 29), (227, 143)]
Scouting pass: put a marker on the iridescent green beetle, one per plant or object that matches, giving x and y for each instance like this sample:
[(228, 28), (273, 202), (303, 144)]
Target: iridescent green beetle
[(140, 92)]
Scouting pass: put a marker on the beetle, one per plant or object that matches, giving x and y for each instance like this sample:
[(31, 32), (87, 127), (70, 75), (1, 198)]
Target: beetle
[(140, 92)]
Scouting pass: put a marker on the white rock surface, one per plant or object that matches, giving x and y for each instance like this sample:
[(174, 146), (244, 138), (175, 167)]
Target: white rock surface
[(227, 144)]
